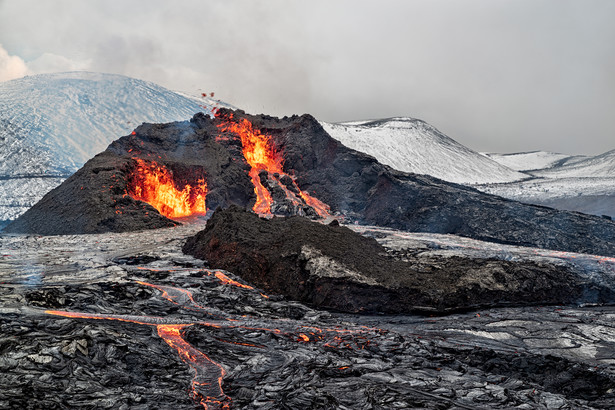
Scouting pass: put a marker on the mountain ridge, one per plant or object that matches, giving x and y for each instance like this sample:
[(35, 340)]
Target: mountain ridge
[(51, 124)]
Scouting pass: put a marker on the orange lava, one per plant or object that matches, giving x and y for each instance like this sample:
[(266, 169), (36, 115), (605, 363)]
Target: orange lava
[(154, 184), (228, 281), (208, 374), (210, 381), (261, 154)]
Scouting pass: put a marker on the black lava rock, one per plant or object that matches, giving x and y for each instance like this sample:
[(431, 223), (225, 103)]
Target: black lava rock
[(335, 268), (351, 183)]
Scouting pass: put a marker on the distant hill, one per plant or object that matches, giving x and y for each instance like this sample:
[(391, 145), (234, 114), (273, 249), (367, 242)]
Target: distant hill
[(51, 124), (412, 145)]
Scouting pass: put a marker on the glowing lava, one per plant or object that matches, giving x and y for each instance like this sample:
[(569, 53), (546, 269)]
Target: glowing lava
[(261, 154), (154, 184), (208, 375)]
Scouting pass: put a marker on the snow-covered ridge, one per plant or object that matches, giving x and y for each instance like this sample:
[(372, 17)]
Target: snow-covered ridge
[(51, 124), (534, 160), (412, 145), (602, 165)]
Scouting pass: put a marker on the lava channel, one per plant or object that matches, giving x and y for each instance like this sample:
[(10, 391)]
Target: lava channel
[(208, 375), (261, 154)]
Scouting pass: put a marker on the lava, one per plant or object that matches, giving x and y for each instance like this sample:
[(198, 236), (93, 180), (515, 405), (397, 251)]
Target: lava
[(154, 184), (208, 375), (261, 154), (228, 281)]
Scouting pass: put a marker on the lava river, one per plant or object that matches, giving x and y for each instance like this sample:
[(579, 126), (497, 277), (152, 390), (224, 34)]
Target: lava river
[(208, 375)]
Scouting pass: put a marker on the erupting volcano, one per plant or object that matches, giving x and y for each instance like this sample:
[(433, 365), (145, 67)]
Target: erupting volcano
[(154, 184), (115, 303), (286, 166)]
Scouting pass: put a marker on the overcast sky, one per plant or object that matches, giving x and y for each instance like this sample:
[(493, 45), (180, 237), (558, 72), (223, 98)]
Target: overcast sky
[(496, 75)]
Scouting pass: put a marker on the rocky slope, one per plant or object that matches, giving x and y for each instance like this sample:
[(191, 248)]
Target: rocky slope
[(352, 184), (335, 268), (51, 124)]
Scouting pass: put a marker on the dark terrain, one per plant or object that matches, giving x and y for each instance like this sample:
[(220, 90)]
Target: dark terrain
[(333, 267), (354, 185), (273, 353)]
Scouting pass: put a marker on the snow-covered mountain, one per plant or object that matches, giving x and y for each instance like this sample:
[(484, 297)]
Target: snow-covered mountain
[(50, 124), (412, 145), (534, 160), (574, 183), (570, 182)]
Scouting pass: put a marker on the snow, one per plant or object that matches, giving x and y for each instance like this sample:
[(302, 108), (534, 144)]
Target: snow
[(602, 165), (51, 124), (412, 145), (528, 161), (569, 182)]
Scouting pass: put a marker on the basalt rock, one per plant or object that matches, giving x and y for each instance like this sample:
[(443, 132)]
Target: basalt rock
[(352, 184), (331, 266)]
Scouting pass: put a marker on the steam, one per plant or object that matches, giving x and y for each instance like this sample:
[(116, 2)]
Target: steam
[(504, 76), (11, 67)]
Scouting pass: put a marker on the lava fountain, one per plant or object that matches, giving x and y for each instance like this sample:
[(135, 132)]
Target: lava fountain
[(153, 183)]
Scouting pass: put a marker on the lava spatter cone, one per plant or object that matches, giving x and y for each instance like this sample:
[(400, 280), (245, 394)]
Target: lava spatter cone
[(291, 166)]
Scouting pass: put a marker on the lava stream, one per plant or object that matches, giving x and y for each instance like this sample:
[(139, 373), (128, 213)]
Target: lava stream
[(261, 154), (208, 375)]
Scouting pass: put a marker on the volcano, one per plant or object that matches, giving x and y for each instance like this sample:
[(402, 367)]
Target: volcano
[(291, 166)]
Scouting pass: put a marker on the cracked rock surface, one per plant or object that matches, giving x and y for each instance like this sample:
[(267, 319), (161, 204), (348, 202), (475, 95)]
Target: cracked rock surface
[(334, 267), (273, 352)]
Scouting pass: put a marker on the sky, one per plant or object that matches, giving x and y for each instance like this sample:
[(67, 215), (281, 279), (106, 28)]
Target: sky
[(495, 75)]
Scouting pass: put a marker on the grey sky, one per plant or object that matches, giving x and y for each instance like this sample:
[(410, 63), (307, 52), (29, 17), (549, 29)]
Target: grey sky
[(496, 75)]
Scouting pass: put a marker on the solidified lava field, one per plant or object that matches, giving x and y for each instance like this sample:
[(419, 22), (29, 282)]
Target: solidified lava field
[(126, 320), (129, 321)]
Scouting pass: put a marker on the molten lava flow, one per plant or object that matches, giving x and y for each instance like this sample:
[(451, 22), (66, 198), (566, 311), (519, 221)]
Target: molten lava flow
[(228, 281), (261, 154), (153, 183), (208, 375)]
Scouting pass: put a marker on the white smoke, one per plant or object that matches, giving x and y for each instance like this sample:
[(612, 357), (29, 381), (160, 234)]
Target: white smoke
[(53, 63), (11, 67)]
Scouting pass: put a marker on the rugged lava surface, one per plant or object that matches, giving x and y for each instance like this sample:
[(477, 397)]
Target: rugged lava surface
[(270, 352), (351, 184), (336, 268)]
